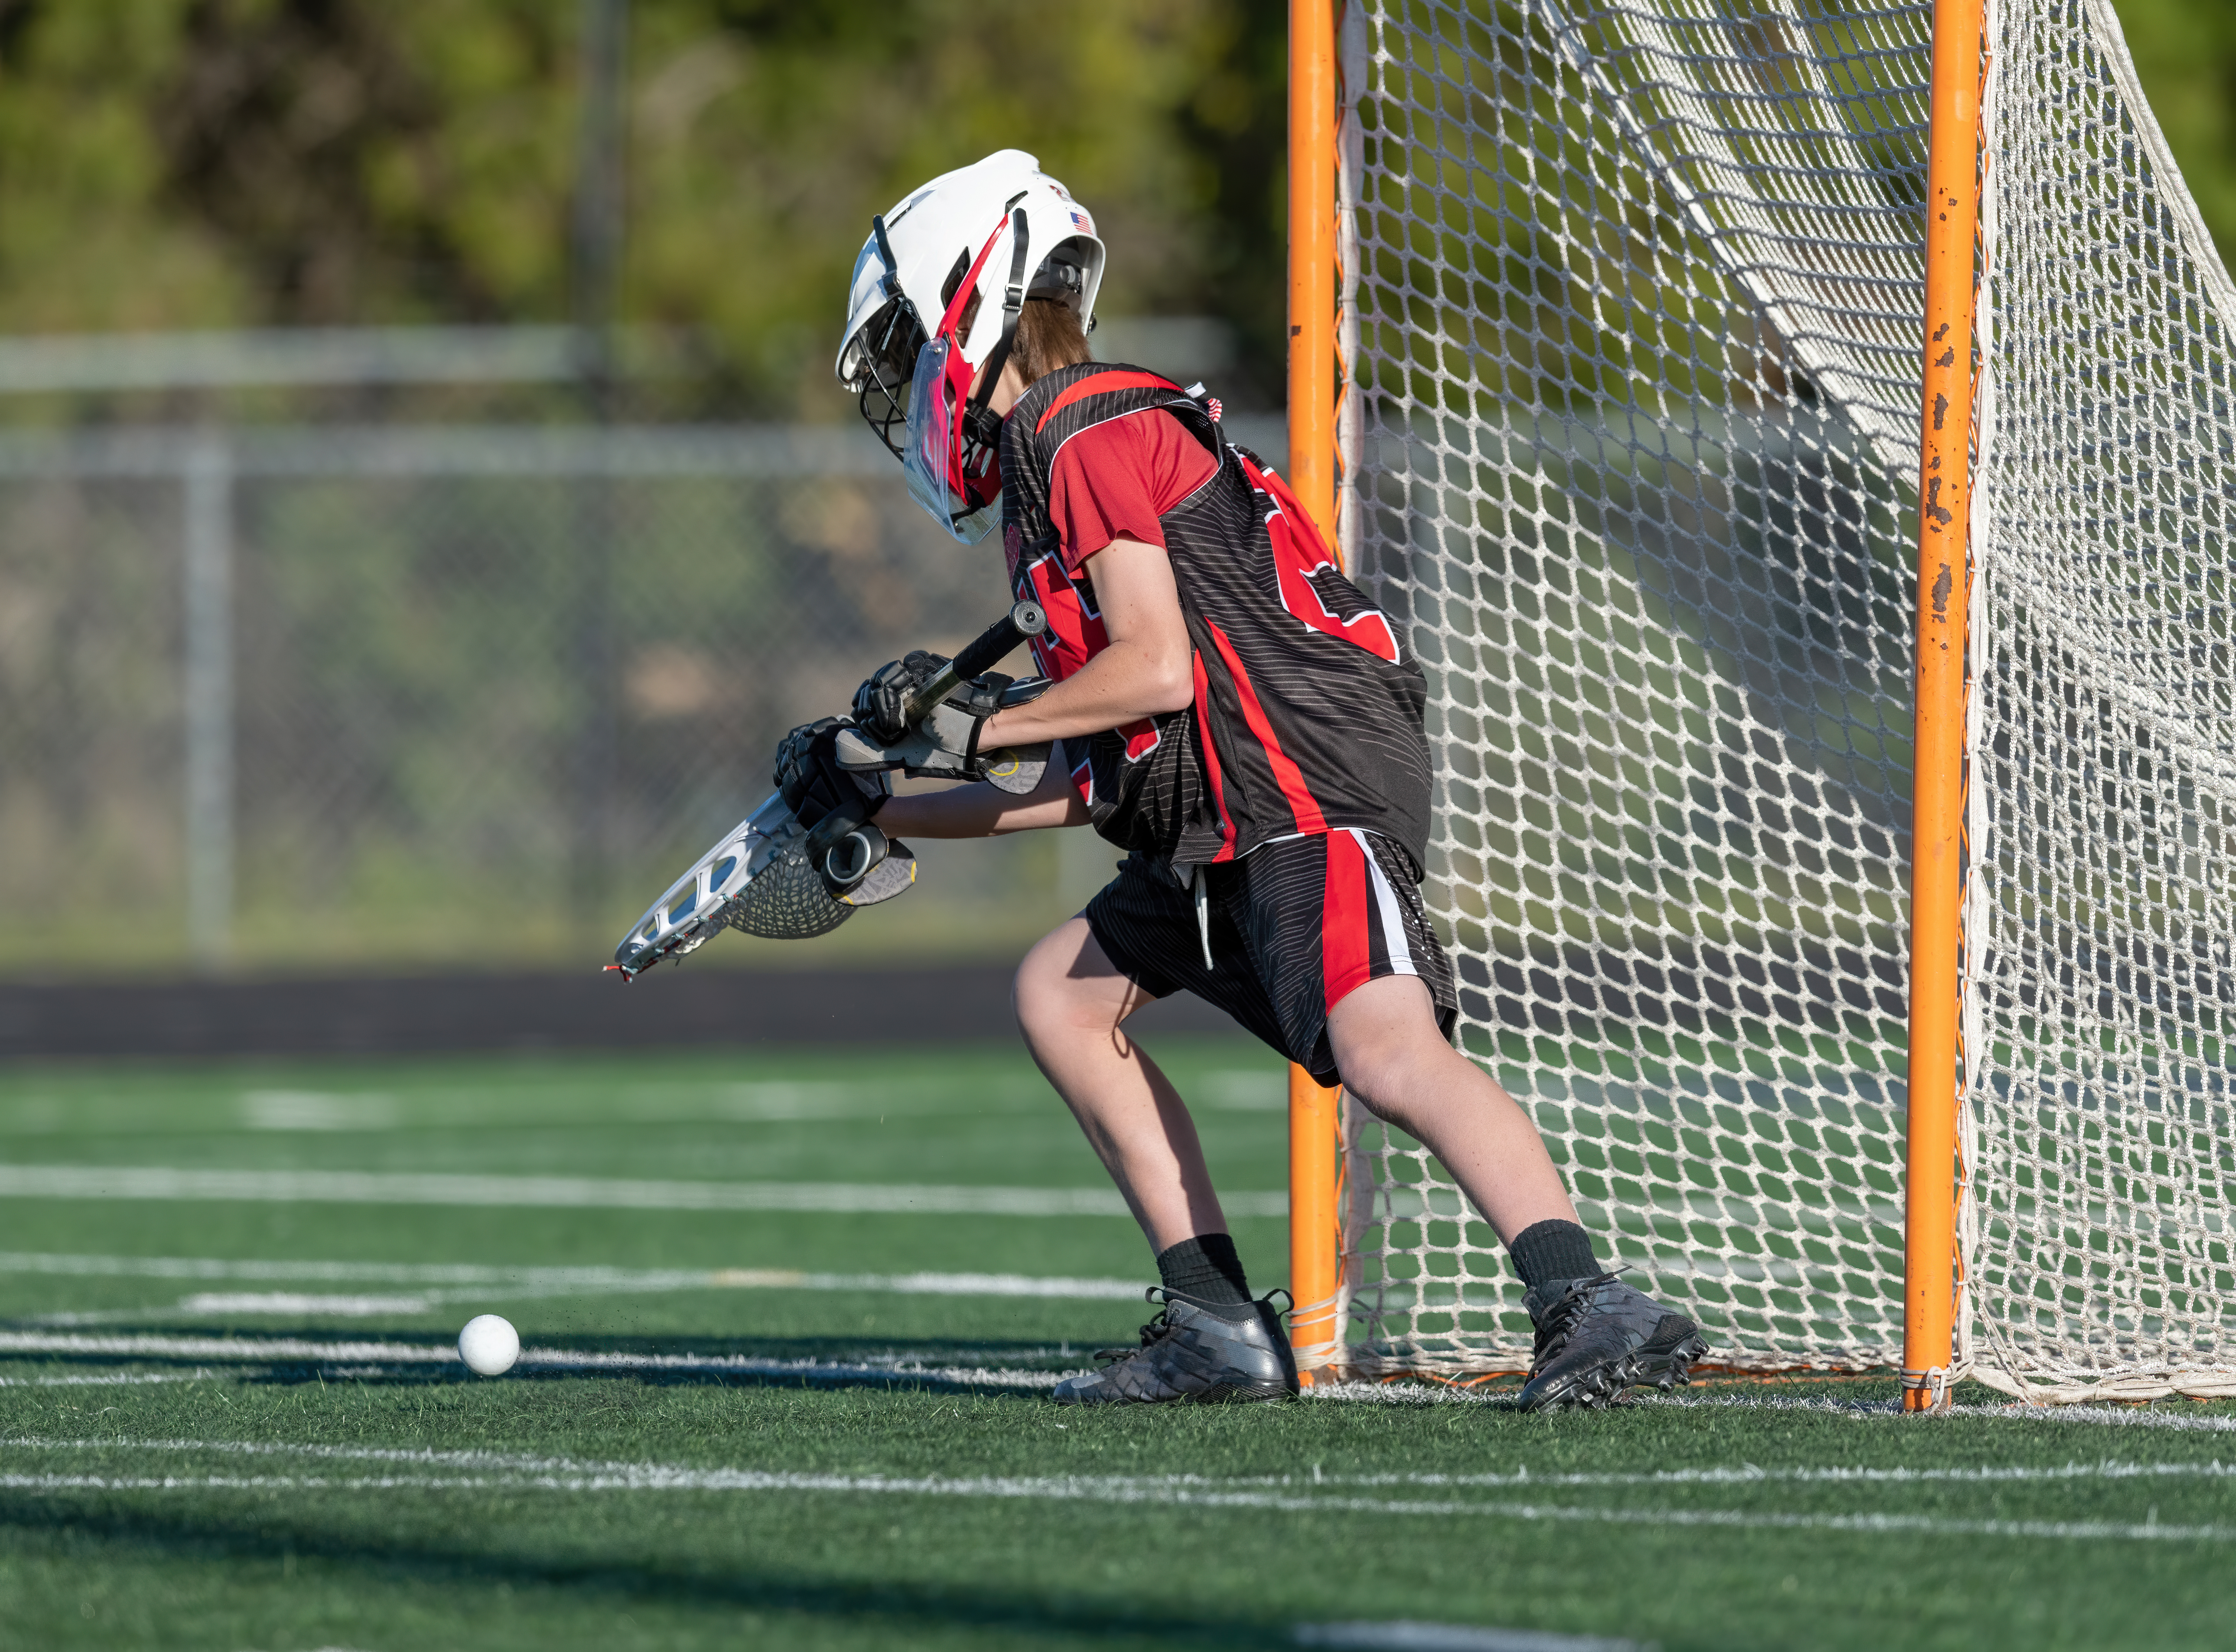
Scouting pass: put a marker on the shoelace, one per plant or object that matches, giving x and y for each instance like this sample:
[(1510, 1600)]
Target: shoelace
[(1162, 1328), (1560, 1321), (1155, 1331)]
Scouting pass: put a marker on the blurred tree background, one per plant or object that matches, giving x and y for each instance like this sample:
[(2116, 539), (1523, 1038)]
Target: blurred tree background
[(197, 163), (191, 163), (2185, 52)]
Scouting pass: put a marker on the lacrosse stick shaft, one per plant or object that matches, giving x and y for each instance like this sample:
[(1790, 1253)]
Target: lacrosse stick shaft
[(1024, 620)]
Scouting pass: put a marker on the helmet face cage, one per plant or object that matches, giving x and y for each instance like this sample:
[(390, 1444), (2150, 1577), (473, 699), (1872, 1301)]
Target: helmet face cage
[(889, 346)]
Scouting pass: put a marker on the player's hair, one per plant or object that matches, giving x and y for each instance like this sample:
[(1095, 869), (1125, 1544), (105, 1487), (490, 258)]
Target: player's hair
[(1048, 337), (1049, 334)]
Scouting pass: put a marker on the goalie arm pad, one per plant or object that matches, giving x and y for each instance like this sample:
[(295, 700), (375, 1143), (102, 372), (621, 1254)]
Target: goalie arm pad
[(945, 744)]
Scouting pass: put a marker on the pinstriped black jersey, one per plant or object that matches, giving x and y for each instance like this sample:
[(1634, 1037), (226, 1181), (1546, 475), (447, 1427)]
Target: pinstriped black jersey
[(1307, 711)]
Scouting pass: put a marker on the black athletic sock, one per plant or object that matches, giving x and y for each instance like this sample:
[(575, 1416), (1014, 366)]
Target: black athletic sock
[(1552, 1250), (1206, 1269)]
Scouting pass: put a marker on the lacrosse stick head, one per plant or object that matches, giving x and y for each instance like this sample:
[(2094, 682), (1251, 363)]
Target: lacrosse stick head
[(757, 879), (761, 879)]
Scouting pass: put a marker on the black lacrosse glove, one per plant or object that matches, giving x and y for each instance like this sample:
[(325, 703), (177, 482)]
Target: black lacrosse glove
[(881, 702), (822, 796)]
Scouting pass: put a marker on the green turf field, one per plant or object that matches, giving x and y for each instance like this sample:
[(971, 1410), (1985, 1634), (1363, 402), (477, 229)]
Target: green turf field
[(779, 1415)]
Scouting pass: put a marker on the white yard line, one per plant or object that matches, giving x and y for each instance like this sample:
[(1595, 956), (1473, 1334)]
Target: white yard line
[(231, 1268), (299, 1350), (293, 1303), (1147, 1485), (2161, 1414), (571, 1193), (456, 1283), (2116, 1417), (106, 1379), (235, 1349), (1748, 1474), (250, 1350), (1870, 1525), (2174, 1414), (498, 1472), (1405, 1636)]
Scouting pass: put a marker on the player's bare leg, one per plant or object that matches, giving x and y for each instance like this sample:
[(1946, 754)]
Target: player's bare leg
[(1595, 1335), (1395, 1062), (1071, 1004), (1211, 1342)]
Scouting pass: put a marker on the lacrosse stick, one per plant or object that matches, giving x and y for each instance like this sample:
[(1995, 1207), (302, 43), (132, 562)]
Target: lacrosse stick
[(762, 877)]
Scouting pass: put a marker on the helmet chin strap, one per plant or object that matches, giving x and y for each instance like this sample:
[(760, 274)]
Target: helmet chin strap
[(979, 420)]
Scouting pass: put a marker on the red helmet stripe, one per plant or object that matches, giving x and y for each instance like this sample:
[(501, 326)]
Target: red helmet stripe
[(971, 281)]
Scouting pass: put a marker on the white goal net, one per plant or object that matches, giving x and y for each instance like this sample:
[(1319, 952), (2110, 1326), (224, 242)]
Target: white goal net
[(1633, 305)]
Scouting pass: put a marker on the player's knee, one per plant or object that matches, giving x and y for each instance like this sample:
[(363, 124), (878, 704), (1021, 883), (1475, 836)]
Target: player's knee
[(1384, 1071), (1035, 1000), (1045, 995), (1374, 1087), (1387, 1045)]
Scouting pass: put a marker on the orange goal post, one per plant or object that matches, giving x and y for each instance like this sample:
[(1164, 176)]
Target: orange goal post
[(1797, 438)]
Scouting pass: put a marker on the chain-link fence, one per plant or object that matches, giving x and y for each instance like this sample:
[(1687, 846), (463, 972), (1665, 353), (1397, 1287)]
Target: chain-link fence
[(440, 696)]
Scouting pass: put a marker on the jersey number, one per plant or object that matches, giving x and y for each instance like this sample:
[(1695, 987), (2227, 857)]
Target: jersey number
[(1313, 588)]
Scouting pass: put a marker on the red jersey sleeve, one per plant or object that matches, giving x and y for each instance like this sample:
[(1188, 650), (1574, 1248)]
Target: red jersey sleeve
[(1114, 481)]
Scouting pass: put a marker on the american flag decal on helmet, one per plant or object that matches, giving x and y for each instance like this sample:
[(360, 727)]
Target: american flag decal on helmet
[(1080, 221)]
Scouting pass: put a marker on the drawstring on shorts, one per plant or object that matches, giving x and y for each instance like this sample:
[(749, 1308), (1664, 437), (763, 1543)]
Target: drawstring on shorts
[(1203, 916)]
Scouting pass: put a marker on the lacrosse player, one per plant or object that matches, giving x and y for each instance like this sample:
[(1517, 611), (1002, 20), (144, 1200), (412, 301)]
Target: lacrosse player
[(1229, 709)]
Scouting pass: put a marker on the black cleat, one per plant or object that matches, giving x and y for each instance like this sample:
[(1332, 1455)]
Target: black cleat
[(1597, 1337), (1192, 1354)]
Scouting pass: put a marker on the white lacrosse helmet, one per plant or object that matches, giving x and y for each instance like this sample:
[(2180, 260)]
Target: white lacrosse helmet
[(1003, 230)]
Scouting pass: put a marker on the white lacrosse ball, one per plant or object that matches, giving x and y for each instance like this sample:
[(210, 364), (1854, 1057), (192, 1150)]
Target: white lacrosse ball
[(488, 1344)]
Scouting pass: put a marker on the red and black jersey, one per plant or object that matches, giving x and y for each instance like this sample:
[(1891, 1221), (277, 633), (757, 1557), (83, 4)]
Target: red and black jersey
[(1307, 716)]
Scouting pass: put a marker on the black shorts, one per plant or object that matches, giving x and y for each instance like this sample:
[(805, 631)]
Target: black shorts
[(1296, 925)]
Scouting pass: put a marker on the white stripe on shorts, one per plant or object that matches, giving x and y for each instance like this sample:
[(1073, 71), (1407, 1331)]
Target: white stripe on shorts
[(1388, 908)]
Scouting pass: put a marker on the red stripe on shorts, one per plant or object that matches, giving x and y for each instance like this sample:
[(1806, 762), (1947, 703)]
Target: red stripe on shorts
[(1346, 910)]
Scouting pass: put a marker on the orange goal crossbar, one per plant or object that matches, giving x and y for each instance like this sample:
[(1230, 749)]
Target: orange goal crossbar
[(1930, 1277), (1315, 1155)]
